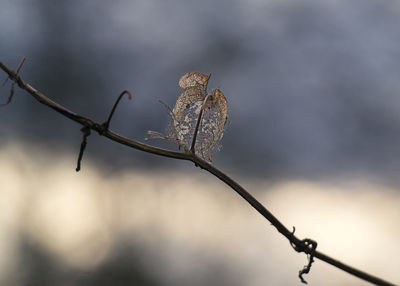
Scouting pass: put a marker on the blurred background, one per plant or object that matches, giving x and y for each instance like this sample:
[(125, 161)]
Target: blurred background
[(314, 133)]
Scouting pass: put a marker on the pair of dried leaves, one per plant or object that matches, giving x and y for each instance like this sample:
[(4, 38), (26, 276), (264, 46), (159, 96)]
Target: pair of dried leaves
[(198, 118)]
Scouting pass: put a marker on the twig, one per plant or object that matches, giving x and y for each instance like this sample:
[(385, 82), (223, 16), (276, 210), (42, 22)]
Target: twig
[(12, 85), (86, 132), (107, 123), (196, 129), (306, 269), (299, 245)]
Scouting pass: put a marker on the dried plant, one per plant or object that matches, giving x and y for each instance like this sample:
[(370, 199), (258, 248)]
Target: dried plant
[(198, 119)]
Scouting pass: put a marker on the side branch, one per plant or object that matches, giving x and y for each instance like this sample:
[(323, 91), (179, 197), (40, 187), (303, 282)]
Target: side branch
[(107, 123), (306, 245)]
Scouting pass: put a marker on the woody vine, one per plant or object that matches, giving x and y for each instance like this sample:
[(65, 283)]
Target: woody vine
[(197, 125)]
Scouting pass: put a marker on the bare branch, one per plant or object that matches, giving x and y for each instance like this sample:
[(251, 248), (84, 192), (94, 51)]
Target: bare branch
[(10, 97), (86, 133), (307, 246), (196, 130), (107, 123)]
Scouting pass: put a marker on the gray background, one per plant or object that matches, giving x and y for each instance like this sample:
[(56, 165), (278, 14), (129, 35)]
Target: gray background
[(313, 86), (313, 90)]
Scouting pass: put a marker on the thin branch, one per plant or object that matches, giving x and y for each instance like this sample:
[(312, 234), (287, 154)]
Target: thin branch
[(297, 244), (20, 64), (10, 97), (196, 129), (86, 132), (107, 123)]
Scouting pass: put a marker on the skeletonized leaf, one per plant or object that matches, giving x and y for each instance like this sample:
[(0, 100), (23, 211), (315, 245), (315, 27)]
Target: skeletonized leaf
[(186, 113), (194, 101)]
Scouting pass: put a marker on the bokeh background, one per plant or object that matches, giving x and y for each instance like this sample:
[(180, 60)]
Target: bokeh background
[(314, 98)]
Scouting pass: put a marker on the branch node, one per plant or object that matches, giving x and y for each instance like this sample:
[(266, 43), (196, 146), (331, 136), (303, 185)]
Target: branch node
[(106, 124), (86, 132), (10, 97)]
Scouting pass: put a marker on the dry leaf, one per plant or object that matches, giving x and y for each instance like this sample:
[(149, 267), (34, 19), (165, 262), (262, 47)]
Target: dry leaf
[(185, 114)]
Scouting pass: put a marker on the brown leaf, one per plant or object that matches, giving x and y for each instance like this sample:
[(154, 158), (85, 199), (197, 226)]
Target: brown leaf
[(186, 113)]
